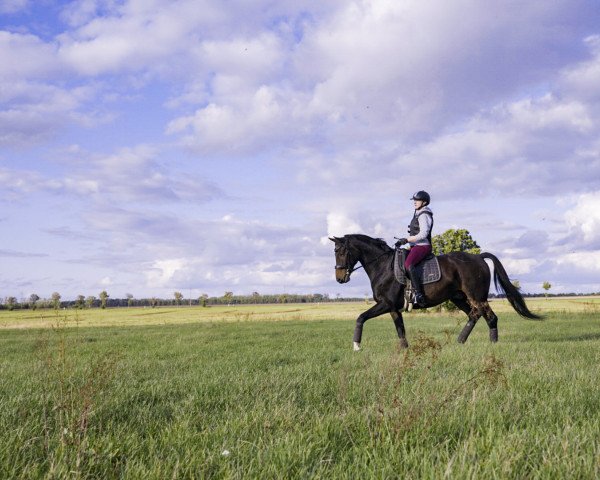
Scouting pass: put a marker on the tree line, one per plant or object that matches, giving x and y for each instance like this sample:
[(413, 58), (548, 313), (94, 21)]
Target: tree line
[(104, 301)]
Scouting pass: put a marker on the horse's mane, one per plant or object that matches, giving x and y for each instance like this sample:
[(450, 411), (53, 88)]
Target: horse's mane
[(379, 242)]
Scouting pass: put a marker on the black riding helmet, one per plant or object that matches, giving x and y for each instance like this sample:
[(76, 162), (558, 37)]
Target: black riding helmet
[(423, 196)]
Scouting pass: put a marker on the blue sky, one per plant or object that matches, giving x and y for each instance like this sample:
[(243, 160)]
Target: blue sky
[(205, 146)]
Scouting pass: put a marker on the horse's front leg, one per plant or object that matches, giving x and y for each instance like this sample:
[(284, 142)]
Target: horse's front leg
[(374, 311), (399, 323)]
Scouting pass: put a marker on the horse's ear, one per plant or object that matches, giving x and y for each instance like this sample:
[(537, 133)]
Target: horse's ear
[(334, 239)]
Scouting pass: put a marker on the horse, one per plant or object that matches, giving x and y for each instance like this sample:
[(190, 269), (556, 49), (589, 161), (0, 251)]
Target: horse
[(465, 281)]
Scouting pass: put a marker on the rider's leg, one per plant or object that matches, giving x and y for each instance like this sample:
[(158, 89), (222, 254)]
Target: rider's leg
[(416, 254)]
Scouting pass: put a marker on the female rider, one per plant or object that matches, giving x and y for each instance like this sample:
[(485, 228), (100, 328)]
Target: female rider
[(419, 241)]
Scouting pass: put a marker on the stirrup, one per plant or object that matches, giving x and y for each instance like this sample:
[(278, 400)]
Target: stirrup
[(408, 297), (420, 301)]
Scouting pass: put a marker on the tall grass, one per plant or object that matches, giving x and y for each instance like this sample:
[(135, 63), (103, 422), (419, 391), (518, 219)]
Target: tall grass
[(248, 398)]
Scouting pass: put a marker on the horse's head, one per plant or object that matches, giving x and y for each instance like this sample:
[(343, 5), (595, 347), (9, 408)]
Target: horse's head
[(344, 259)]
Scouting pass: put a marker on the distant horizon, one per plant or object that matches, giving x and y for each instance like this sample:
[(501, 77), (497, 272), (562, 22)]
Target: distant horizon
[(169, 147), (185, 300)]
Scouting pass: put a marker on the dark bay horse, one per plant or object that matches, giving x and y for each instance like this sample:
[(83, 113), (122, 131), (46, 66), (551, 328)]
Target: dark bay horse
[(465, 282)]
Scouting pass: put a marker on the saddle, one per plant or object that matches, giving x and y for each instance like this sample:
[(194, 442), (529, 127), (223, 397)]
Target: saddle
[(428, 270)]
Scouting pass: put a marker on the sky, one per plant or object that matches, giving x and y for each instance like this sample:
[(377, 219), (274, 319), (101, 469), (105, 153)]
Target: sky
[(204, 146)]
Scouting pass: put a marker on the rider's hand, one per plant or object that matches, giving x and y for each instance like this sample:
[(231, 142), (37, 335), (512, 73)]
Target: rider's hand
[(402, 241)]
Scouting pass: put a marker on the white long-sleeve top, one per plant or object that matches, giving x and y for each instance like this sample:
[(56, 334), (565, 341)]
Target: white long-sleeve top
[(425, 224)]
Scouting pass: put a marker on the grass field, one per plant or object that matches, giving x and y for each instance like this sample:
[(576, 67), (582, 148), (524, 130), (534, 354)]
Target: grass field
[(277, 392)]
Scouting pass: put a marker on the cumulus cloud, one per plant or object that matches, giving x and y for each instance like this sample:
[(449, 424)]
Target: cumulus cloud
[(584, 222), (129, 175)]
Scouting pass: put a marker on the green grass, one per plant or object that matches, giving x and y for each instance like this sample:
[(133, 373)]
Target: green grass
[(163, 393)]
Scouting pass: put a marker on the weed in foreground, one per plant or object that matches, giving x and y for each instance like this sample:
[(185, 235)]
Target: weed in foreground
[(407, 393), (70, 393)]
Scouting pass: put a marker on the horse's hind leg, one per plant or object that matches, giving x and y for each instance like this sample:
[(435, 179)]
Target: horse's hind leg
[(492, 321), (473, 314), (399, 323)]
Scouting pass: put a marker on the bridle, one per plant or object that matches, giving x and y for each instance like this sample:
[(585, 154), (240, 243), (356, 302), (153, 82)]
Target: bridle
[(349, 262)]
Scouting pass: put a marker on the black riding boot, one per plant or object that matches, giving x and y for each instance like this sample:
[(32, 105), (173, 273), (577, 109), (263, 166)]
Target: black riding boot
[(419, 297)]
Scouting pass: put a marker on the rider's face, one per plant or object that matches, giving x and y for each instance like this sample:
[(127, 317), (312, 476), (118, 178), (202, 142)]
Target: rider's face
[(418, 204)]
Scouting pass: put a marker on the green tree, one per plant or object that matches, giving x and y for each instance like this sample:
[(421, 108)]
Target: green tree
[(227, 297), (33, 298), (178, 297), (11, 303), (103, 297), (129, 299), (202, 299), (546, 286), (255, 297), (56, 300), (80, 301), (454, 241), (153, 302), (89, 301)]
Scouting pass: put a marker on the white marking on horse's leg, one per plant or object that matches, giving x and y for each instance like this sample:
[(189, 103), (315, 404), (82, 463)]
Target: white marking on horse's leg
[(356, 346)]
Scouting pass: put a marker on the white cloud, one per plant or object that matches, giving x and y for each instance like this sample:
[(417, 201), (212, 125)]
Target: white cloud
[(13, 6), (163, 271), (584, 221), (586, 261), (519, 266), (25, 56), (338, 225)]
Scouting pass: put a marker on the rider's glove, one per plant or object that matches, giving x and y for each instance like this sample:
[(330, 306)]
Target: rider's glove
[(402, 241)]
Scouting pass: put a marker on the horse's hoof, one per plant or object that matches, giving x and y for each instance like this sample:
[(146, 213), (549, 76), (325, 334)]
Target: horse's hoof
[(356, 347), (494, 335), (403, 343)]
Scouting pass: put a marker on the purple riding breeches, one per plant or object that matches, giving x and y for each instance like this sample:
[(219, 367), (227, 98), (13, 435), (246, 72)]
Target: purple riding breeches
[(416, 254)]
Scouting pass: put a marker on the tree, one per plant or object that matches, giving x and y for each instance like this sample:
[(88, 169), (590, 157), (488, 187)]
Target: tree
[(227, 297), (103, 297), (33, 298), (89, 301), (80, 301), (454, 241), (546, 286), (129, 299), (255, 297), (11, 302), (153, 302), (56, 300), (178, 296), (202, 300)]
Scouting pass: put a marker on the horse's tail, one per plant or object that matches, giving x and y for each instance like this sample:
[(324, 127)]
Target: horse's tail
[(503, 285)]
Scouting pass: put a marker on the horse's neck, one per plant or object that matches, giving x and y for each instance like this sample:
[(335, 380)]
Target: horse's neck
[(367, 256)]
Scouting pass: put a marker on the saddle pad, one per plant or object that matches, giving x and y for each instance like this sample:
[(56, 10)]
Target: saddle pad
[(399, 271), (429, 270)]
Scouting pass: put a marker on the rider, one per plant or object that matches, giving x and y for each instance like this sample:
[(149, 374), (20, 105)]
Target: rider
[(419, 241)]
